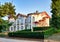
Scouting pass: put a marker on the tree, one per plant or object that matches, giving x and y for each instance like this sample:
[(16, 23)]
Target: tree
[(5, 25), (7, 9), (55, 13)]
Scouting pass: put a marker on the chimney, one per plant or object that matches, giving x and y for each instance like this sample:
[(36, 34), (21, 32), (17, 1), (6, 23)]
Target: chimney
[(36, 11)]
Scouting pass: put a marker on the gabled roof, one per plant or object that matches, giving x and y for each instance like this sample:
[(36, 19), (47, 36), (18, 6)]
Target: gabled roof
[(47, 16), (42, 13), (21, 15), (43, 19)]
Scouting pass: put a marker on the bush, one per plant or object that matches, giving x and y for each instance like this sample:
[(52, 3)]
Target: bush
[(57, 31), (49, 32), (26, 34), (40, 28), (27, 30)]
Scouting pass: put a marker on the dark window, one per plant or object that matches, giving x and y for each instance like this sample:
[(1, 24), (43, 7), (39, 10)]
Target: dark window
[(11, 28), (18, 22), (17, 27), (30, 20), (21, 23), (21, 27)]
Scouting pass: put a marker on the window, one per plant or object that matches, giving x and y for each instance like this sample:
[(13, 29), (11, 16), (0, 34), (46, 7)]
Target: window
[(18, 27), (21, 23), (11, 28), (21, 27), (22, 20), (17, 21), (29, 19)]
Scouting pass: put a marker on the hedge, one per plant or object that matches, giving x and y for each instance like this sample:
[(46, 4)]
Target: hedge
[(26, 34), (57, 31), (40, 28), (27, 30)]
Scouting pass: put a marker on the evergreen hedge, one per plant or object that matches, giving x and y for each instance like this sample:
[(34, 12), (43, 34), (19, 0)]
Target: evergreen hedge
[(27, 34), (40, 28)]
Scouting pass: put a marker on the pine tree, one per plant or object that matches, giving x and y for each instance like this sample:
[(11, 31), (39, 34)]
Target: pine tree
[(55, 13)]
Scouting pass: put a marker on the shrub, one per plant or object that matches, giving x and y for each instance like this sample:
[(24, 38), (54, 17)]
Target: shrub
[(57, 31), (49, 32), (27, 30), (27, 34), (40, 28)]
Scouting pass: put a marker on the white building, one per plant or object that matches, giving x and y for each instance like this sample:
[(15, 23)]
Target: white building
[(19, 23), (37, 19)]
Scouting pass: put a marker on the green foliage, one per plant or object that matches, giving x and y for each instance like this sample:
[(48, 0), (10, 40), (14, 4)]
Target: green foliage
[(1, 24), (49, 32), (7, 9), (26, 34), (55, 13), (0, 28), (4, 25), (27, 30), (40, 28), (57, 31)]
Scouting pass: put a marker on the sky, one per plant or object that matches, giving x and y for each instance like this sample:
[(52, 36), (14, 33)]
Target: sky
[(30, 6)]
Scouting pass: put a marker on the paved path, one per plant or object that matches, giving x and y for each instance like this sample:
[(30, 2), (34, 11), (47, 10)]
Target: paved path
[(55, 37), (16, 40)]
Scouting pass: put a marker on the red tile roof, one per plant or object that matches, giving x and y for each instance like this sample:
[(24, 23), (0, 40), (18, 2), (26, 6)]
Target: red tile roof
[(42, 13)]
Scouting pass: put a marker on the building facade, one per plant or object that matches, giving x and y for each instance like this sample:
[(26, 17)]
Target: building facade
[(19, 23), (36, 19)]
